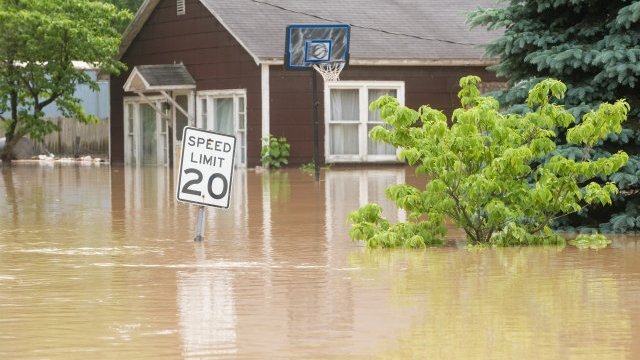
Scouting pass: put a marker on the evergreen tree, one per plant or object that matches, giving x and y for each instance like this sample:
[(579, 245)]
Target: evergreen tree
[(593, 46)]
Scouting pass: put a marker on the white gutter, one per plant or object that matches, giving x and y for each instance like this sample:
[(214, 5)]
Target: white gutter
[(265, 101), (403, 62)]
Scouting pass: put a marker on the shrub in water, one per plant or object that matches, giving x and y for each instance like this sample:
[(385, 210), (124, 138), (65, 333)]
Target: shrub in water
[(491, 173)]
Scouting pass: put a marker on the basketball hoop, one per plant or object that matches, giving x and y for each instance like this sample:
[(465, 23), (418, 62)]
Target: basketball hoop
[(330, 71), (325, 47)]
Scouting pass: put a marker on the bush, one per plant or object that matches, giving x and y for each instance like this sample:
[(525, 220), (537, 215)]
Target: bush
[(491, 173), (275, 152)]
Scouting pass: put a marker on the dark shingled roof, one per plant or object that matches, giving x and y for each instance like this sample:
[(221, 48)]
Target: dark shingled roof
[(380, 29), (383, 32), (166, 75)]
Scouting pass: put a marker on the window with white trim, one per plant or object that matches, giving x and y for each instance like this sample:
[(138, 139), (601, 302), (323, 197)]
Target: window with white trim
[(146, 135), (348, 120), (224, 111)]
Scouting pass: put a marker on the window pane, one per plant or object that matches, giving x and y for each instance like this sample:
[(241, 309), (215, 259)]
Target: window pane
[(241, 121), (241, 114), (241, 149), (130, 117), (181, 119), (344, 105), (374, 94), (223, 115), (344, 139), (149, 136), (203, 114), (241, 104), (376, 147)]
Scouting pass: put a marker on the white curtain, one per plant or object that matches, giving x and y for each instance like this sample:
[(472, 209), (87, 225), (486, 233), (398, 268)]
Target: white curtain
[(374, 119), (345, 108), (149, 135), (343, 139), (224, 116), (345, 105)]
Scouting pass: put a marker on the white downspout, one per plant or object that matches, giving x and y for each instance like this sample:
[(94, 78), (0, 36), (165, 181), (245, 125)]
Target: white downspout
[(265, 101)]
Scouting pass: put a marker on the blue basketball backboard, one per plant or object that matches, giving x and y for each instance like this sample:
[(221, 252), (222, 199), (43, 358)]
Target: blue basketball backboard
[(309, 44)]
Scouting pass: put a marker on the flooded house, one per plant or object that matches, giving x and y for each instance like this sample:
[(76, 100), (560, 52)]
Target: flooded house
[(219, 65)]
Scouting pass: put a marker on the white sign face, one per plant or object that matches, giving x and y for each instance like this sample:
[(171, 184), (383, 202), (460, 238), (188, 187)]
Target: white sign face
[(206, 167)]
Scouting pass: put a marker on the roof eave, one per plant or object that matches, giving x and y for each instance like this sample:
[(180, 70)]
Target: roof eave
[(132, 30), (423, 62), (244, 46), (143, 14), (170, 87), (402, 62)]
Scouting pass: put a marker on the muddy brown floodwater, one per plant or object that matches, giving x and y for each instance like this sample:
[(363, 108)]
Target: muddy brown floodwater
[(98, 262)]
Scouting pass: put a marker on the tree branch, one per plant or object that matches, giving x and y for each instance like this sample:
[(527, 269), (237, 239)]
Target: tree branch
[(52, 98), (547, 215)]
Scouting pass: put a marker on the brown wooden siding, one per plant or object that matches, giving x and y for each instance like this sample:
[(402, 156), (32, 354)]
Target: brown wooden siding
[(217, 61), (291, 112), (211, 54)]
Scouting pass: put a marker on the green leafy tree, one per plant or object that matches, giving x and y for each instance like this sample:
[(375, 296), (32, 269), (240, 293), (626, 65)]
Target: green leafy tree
[(593, 47), (39, 41), (486, 170), (131, 5)]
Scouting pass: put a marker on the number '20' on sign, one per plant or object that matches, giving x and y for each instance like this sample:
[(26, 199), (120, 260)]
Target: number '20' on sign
[(206, 168), (222, 192)]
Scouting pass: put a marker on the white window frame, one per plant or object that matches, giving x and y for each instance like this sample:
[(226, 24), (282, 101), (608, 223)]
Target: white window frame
[(363, 88), (132, 139), (241, 134), (175, 112)]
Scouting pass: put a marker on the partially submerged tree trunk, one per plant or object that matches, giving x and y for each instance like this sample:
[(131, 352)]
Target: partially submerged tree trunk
[(10, 137), (7, 154)]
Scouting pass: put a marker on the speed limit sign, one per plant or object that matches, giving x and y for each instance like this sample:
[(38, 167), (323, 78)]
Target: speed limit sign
[(206, 167)]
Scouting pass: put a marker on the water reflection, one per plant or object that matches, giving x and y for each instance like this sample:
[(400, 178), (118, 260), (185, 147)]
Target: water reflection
[(510, 302), (207, 310), (102, 261), (10, 193), (44, 201), (347, 190)]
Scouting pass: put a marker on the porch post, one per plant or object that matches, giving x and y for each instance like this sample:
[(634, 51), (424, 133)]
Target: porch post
[(265, 101)]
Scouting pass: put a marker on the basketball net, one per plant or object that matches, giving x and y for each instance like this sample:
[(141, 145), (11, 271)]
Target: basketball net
[(330, 71)]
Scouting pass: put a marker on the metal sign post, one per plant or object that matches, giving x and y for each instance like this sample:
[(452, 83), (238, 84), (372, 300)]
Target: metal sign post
[(200, 225), (206, 171)]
